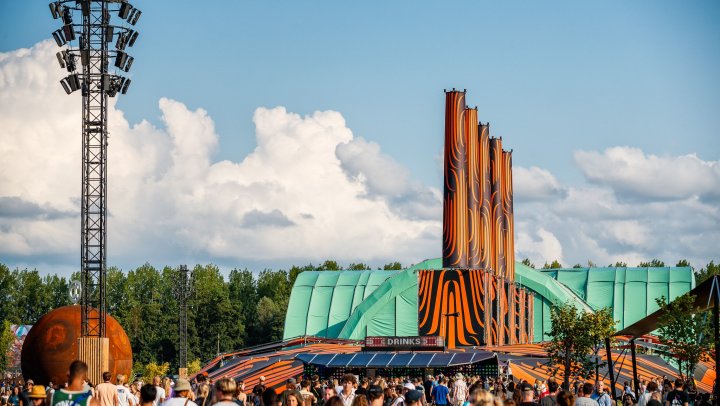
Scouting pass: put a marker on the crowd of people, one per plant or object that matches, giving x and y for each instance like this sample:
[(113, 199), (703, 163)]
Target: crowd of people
[(456, 390)]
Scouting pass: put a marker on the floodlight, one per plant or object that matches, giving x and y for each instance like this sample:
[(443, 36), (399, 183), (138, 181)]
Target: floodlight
[(124, 10), (69, 32), (70, 83), (109, 31), (85, 7), (128, 64), (59, 37), (133, 38), (70, 61), (61, 59), (54, 11), (121, 41), (125, 86), (135, 16), (120, 59), (67, 16)]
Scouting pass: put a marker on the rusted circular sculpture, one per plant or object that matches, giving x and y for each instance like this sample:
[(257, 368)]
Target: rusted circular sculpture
[(52, 344)]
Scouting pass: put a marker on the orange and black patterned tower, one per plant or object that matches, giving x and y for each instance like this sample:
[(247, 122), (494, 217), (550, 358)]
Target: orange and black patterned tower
[(474, 190), (455, 213), (473, 300), (509, 225), (497, 262)]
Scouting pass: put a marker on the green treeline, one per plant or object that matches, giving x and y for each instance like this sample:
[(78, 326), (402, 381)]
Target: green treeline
[(225, 313)]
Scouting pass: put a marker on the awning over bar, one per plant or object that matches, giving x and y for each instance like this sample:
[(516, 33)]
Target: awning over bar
[(371, 359)]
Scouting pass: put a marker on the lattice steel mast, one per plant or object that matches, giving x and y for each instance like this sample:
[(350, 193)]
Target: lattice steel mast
[(96, 84), (183, 291)]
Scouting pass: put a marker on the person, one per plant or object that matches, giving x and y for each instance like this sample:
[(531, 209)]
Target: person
[(652, 386), (269, 397), (628, 400), (204, 394), (677, 396), (308, 397), (224, 392), (25, 394), (375, 395), (76, 393), (290, 387), (167, 385), (159, 391), (362, 388), (348, 389), (38, 395), (441, 394), (565, 398), (123, 392), (360, 400), (413, 398), (528, 395), (551, 398), (317, 389), (459, 391), (584, 393), (14, 398), (600, 395), (240, 396), (148, 395), (182, 394), (334, 401), (327, 394), (106, 392), (258, 391)]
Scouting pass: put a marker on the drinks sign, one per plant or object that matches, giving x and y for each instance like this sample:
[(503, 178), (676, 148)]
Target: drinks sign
[(419, 342)]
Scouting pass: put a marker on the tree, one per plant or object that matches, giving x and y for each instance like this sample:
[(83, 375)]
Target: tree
[(6, 340), (392, 266), (577, 266), (687, 335), (618, 264), (683, 262), (575, 335), (358, 267), (330, 265), (527, 262), (655, 263), (709, 270), (554, 265), (271, 316)]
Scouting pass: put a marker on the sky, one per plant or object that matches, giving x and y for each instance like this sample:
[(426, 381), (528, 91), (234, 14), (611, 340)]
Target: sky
[(264, 134)]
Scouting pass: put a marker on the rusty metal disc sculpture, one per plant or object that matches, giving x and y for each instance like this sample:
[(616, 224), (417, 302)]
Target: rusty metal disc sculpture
[(52, 344)]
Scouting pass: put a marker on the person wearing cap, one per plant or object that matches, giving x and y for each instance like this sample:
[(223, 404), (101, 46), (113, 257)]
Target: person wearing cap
[(182, 391), (413, 398), (38, 395), (25, 394), (290, 387), (375, 395), (527, 393)]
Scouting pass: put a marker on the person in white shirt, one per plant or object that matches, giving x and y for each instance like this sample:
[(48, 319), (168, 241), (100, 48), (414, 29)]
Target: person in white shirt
[(182, 391), (123, 392), (348, 389), (224, 392), (160, 396)]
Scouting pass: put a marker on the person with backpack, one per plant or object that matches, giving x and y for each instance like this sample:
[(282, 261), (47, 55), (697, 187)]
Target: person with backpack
[(677, 396)]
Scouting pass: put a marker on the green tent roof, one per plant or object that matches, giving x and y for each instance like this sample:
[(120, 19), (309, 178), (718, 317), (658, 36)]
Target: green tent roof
[(355, 304)]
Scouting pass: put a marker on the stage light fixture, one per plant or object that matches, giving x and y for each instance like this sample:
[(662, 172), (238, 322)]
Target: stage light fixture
[(85, 57), (70, 83), (121, 41), (109, 32), (133, 38), (85, 7), (70, 61), (67, 16)]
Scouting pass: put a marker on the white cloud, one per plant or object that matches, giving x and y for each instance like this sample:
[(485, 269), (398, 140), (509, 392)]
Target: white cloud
[(310, 190), (535, 184), (630, 172), (540, 246)]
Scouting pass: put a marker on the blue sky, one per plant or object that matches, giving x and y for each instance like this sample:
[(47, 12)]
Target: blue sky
[(553, 78)]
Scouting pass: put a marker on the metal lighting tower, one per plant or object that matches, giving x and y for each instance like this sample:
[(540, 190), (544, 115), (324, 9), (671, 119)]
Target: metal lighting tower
[(183, 291), (84, 37)]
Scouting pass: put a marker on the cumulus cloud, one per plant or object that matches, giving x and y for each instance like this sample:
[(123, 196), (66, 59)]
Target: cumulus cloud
[(310, 190), (632, 173), (535, 184)]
